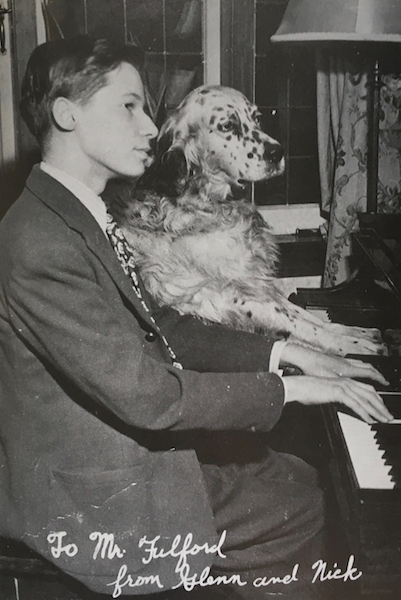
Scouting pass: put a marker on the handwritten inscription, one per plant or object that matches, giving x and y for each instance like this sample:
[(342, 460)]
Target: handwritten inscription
[(180, 549), (106, 546), (287, 579), (188, 548), (205, 579), (323, 574), (60, 548), (123, 580)]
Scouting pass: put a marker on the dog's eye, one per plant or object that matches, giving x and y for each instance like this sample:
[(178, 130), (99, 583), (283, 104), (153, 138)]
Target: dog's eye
[(225, 127), (257, 119)]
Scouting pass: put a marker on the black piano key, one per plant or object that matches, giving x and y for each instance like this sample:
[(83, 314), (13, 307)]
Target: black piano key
[(387, 433), (396, 477), (395, 473), (388, 438), (388, 366), (393, 404)]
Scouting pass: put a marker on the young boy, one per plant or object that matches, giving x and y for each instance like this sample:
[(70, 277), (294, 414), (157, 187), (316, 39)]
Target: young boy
[(92, 390)]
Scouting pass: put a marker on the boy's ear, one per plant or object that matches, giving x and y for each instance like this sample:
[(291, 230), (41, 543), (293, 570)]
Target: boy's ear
[(63, 114)]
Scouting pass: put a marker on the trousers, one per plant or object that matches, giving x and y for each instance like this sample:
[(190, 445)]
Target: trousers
[(272, 513)]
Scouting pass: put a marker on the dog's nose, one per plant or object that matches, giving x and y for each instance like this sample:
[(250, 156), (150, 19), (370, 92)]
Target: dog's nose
[(273, 152)]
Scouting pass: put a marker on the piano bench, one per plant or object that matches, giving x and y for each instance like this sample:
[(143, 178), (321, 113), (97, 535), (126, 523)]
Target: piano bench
[(24, 575)]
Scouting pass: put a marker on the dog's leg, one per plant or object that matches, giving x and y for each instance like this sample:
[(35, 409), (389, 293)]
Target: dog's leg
[(333, 337), (300, 325), (282, 316), (343, 330)]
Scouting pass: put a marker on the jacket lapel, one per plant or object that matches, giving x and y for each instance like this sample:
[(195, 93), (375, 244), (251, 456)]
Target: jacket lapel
[(78, 218)]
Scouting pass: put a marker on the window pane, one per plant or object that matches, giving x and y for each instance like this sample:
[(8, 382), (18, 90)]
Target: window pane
[(145, 24), (285, 91), (105, 18), (184, 26)]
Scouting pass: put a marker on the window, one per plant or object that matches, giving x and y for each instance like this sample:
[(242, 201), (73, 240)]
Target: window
[(285, 91), (169, 31), (281, 80)]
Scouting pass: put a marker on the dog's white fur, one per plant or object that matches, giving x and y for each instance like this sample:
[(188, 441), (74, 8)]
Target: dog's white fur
[(204, 253)]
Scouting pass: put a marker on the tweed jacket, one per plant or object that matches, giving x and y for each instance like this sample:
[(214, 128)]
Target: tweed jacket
[(88, 398)]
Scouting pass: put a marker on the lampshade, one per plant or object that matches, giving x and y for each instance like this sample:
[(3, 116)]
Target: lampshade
[(340, 20)]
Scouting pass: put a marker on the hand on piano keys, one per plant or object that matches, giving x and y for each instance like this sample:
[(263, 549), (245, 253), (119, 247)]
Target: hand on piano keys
[(328, 379), (318, 364), (361, 398)]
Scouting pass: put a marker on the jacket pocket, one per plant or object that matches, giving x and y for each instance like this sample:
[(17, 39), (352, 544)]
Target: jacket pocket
[(98, 518), (105, 522)]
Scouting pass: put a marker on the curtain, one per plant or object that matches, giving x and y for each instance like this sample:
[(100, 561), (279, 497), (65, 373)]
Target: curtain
[(342, 143)]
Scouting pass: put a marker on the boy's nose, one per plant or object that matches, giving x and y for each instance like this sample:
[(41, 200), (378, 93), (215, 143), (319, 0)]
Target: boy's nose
[(148, 128)]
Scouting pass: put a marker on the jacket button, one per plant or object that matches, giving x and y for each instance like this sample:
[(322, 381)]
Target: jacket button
[(150, 336)]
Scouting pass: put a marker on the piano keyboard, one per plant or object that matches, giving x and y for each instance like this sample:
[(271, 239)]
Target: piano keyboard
[(373, 466), (321, 313)]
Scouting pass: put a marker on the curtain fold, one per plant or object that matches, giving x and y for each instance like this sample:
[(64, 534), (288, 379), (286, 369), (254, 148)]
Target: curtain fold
[(342, 143)]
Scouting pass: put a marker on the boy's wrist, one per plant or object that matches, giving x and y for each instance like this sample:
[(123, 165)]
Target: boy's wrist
[(294, 355)]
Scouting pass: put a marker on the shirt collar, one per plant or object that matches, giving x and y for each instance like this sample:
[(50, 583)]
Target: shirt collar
[(89, 199)]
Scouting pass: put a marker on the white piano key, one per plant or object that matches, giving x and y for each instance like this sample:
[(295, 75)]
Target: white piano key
[(366, 456)]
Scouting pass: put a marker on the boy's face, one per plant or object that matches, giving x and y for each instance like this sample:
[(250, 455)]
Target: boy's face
[(113, 131)]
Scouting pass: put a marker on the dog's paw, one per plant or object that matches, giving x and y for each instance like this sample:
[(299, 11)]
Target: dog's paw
[(365, 346), (343, 340), (355, 340), (358, 332)]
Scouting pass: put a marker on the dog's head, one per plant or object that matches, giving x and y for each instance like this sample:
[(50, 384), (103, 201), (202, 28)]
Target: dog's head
[(214, 136)]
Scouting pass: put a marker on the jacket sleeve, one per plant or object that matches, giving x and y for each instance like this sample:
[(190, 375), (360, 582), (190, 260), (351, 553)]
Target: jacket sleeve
[(214, 347), (59, 303)]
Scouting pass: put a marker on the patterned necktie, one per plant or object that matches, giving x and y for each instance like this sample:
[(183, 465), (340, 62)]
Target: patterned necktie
[(126, 258)]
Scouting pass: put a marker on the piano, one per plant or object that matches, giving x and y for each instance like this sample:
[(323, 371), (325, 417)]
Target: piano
[(365, 461), (371, 297)]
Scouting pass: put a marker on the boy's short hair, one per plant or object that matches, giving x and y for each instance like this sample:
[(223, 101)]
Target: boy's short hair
[(75, 69)]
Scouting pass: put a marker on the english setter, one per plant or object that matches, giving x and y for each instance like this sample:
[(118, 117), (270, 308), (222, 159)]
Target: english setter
[(201, 251)]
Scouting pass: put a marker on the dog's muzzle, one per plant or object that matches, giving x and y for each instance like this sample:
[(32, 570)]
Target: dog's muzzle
[(273, 152)]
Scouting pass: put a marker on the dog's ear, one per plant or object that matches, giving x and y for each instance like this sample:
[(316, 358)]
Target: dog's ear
[(169, 172), (167, 175)]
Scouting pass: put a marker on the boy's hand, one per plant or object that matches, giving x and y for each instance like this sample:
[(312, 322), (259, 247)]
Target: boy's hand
[(317, 364), (360, 397)]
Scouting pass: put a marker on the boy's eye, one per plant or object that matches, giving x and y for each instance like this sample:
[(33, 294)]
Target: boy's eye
[(129, 106)]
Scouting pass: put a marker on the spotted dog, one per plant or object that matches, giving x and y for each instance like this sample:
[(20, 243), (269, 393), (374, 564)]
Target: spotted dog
[(205, 253)]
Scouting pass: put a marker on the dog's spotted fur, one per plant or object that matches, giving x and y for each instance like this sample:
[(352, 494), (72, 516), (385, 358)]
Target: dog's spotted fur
[(201, 251)]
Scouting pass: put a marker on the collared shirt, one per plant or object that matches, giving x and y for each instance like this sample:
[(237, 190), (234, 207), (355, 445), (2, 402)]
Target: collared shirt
[(97, 208), (89, 199)]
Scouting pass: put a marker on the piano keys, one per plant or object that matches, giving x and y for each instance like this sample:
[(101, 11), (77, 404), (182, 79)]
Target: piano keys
[(371, 297), (389, 367), (366, 478), (374, 449), (365, 463)]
